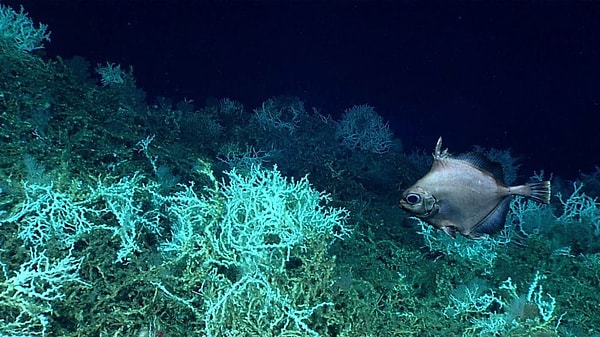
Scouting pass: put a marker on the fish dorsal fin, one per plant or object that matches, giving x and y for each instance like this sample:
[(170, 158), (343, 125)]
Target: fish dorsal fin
[(438, 153), (482, 162), (493, 222)]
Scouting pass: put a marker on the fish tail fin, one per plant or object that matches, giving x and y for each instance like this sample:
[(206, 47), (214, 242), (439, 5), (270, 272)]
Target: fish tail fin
[(540, 191)]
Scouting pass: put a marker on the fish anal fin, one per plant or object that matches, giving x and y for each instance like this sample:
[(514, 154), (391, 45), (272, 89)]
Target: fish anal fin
[(493, 222)]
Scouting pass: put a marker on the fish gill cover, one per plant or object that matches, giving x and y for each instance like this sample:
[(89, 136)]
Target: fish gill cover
[(123, 214)]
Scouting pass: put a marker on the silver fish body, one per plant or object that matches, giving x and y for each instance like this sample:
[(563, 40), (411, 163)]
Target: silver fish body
[(459, 194)]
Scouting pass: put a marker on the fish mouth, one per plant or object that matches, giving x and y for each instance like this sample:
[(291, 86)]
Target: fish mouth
[(403, 206), (407, 208)]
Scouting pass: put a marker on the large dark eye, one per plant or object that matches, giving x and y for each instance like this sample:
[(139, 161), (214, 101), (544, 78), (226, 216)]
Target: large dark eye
[(412, 198)]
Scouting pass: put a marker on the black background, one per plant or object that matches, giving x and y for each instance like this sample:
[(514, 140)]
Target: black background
[(519, 75)]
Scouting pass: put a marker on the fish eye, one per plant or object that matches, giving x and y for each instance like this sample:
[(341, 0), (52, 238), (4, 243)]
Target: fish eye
[(412, 198)]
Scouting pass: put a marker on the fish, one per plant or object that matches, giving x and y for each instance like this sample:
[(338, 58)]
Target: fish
[(466, 194)]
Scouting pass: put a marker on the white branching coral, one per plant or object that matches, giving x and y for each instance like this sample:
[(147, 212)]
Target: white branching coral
[(363, 129), (27, 295), (19, 31)]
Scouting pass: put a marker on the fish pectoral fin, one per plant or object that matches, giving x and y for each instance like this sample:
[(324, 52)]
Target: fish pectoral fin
[(451, 231), (494, 221)]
